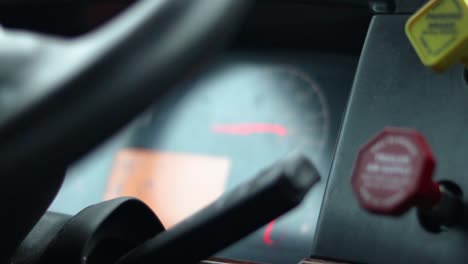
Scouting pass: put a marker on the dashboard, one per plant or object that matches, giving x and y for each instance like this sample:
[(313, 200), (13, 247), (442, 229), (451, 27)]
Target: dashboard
[(217, 130), (278, 88), (368, 93)]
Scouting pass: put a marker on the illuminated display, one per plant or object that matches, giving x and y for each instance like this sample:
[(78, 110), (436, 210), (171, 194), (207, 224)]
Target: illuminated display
[(174, 185)]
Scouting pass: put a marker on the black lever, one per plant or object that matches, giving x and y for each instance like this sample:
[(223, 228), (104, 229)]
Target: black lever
[(274, 191)]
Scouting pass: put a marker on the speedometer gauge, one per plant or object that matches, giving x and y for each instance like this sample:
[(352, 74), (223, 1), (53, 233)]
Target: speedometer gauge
[(283, 101), (250, 114)]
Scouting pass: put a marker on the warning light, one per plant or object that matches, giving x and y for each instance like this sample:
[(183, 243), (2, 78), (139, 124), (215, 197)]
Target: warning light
[(439, 34)]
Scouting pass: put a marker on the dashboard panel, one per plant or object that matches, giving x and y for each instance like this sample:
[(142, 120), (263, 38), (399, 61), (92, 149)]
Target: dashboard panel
[(215, 131), (394, 89), (283, 86)]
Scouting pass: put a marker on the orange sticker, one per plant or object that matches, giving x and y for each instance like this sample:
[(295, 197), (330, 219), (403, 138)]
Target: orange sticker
[(174, 185)]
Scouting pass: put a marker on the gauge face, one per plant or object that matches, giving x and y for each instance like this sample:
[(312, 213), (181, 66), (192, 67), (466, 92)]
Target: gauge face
[(280, 101), (252, 114), (249, 114)]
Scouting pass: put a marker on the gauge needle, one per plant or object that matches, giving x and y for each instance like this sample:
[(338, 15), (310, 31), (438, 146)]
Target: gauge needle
[(267, 234), (245, 129)]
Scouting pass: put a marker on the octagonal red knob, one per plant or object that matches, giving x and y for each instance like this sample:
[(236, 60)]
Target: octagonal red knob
[(393, 172)]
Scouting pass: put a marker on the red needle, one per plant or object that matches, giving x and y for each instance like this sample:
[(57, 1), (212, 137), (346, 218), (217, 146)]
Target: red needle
[(267, 234), (250, 128)]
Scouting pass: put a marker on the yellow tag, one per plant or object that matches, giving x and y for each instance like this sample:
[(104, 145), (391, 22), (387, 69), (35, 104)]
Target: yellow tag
[(439, 33)]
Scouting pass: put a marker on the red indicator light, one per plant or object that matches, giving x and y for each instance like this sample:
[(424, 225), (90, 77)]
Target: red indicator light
[(250, 128)]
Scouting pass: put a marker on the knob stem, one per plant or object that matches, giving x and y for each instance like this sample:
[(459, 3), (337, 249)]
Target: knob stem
[(430, 195)]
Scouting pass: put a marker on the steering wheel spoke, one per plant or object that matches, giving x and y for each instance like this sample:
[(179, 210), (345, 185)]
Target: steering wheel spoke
[(54, 91)]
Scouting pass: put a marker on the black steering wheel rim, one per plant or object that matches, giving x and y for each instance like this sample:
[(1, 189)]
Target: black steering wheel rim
[(66, 96)]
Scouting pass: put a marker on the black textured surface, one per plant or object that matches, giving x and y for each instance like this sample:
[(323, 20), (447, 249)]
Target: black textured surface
[(393, 88), (408, 6), (37, 241), (100, 233)]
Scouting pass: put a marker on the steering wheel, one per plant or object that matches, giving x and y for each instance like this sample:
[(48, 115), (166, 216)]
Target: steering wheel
[(59, 98)]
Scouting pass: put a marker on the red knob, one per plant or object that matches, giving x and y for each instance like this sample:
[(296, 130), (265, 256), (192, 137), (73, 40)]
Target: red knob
[(393, 172)]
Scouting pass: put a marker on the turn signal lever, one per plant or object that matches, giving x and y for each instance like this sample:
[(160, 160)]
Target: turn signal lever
[(393, 172), (273, 192)]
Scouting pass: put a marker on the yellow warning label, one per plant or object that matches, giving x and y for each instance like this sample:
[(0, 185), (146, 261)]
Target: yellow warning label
[(439, 33)]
